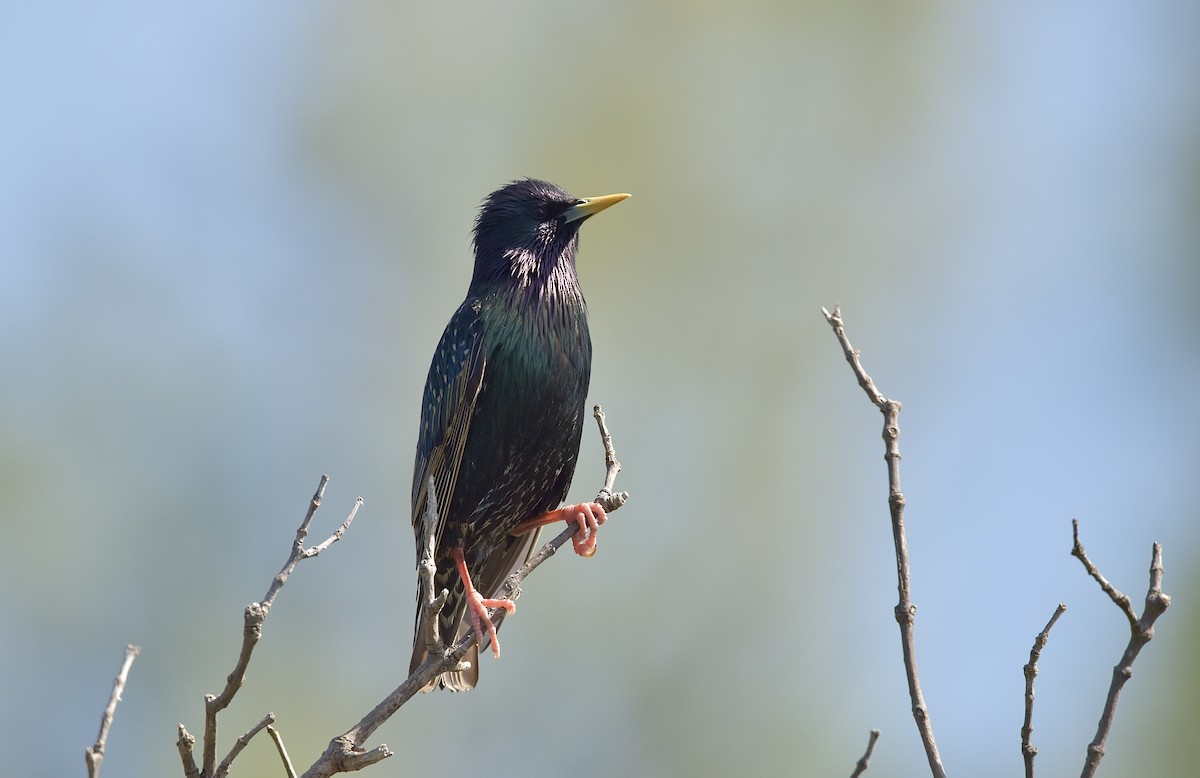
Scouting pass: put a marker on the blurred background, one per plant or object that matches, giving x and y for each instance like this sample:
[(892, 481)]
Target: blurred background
[(230, 236)]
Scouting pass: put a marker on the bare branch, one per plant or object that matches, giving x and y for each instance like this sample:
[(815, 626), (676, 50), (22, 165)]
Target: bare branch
[(608, 499), (298, 550), (1141, 632), (1123, 602), (252, 624), (309, 553), (345, 753), (282, 749), (431, 605), (242, 742), (187, 747), (852, 354), (1028, 751), (905, 609), (94, 754), (861, 766)]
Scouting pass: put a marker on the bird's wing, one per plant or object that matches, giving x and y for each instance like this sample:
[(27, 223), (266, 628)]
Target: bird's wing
[(451, 390)]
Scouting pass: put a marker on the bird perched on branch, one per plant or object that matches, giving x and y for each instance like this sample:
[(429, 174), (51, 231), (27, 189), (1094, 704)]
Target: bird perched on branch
[(503, 410)]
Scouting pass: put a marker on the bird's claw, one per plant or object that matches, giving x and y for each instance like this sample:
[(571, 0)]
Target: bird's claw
[(478, 606), (588, 516)]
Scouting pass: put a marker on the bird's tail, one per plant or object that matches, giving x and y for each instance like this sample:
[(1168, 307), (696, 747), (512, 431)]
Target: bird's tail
[(454, 680), (453, 618), (452, 626)]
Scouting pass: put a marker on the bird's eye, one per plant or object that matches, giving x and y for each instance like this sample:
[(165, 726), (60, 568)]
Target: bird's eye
[(539, 212)]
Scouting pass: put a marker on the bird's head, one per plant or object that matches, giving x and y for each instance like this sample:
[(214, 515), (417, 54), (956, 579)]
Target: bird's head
[(527, 231)]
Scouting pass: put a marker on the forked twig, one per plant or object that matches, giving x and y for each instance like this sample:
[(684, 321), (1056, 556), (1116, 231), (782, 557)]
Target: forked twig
[(1141, 631), (252, 625)]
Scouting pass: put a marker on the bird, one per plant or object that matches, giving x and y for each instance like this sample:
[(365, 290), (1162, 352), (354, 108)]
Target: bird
[(502, 412)]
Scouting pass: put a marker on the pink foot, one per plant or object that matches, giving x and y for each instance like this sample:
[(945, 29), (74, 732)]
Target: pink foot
[(588, 516), (477, 605)]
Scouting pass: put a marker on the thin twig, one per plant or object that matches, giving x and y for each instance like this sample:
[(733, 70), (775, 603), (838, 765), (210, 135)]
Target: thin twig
[(1122, 600), (606, 497), (1028, 751), (1141, 632), (299, 552), (861, 766), (242, 742), (344, 752), (94, 754), (905, 609), (282, 749), (252, 625)]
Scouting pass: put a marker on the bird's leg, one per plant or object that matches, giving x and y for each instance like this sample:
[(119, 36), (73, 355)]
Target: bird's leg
[(477, 605), (588, 516)]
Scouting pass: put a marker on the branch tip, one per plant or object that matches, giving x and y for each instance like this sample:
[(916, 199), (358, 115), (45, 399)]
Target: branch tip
[(1028, 751), (905, 610), (94, 754), (861, 766), (1141, 631)]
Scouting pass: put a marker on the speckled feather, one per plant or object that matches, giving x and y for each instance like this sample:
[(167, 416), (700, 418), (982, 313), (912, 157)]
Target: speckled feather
[(503, 407)]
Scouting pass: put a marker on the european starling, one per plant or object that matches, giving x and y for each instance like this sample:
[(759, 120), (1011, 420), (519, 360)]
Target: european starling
[(503, 409)]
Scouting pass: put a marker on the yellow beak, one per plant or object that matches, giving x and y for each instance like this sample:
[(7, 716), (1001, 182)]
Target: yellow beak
[(591, 206)]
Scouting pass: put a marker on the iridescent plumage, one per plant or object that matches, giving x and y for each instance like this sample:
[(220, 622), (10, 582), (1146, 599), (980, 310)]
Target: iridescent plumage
[(503, 407)]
